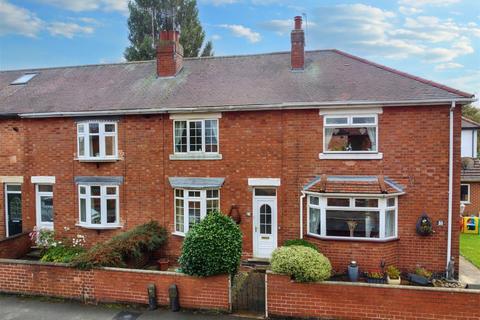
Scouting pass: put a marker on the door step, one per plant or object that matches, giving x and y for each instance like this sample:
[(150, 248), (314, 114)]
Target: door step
[(34, 254)]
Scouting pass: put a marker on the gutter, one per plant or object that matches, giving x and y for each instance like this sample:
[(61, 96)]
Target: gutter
[(250, 107), (450, 191)]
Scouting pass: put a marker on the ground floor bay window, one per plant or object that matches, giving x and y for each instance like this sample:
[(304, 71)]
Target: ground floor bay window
[(98, 206), (355, 218), (193, 205)]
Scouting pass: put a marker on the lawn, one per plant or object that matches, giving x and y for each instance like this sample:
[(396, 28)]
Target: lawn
[(470, 248)]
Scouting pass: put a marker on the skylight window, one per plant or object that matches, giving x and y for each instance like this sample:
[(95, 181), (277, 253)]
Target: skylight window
[(25, 78)]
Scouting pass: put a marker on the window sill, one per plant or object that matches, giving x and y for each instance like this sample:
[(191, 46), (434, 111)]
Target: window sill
[(179, 234), (97, 159), (196, 156), (99, 227), (465, 202), (355, 239), (351, 156)]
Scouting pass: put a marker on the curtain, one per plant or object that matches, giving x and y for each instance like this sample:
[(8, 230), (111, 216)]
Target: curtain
[(314, 221), (372, 131), (180, 132), (328, 137)]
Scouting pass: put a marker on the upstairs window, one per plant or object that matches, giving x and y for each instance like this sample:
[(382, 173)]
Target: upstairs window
[(97, 140), (98, 206), (196, 136), (350, 134)]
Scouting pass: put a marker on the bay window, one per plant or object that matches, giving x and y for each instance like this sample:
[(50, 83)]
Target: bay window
[(98, 206), (196, 136), (193, 205), (353, 218), (344, 133), (97, 140)]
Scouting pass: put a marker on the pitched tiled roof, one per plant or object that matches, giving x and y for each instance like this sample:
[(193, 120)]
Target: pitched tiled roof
[(470, 170), (252, 81), (354, 185), (469, 124)]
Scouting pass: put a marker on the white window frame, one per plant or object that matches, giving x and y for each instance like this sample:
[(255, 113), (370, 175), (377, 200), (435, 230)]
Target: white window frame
[(103, 207), (468, 194), (382, 208), (186, 199), (350, 124), (188, 121), (101, 137)]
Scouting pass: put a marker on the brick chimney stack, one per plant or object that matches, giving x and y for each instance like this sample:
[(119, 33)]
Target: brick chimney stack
[(169, 54), (298, 46)]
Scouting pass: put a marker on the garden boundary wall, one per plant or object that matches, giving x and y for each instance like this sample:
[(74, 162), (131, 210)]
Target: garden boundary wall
[(346, 300), (112, 284), (15, 246)]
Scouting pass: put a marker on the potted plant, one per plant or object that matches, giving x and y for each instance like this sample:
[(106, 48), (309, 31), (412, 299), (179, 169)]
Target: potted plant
[(163, 264), (393, 275), (424, 226), (375, 277), (421, 276)]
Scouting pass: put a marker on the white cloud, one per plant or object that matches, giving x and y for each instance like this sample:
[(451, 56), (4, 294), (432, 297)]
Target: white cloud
[(469, 81), (216, 37), (89, 5), (243, 32), (68, 30), (409, 10), (17, 20), (448, 65), (423, 3), (219, 2)]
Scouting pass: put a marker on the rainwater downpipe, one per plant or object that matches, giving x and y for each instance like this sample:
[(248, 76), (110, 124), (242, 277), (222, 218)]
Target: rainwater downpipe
[(450, 188), (301, 214)]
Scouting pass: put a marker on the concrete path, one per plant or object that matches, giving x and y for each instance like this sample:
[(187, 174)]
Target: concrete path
[(27, 308), (468, 272)]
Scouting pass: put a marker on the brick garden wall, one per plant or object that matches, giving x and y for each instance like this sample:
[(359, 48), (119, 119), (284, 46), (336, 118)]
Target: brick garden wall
[(15, 247), (112, 285), (363, 301), (277, 144)]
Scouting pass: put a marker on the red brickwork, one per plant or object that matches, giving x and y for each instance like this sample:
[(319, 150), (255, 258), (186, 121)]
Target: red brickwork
[(349, 301), (277, 144), (15, 247), (112, 285)]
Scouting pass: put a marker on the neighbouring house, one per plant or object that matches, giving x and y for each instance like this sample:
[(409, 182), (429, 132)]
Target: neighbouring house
[(321, 145), (470, 177)]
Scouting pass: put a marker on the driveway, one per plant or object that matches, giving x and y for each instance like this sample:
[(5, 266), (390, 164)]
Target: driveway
[(26, 308)]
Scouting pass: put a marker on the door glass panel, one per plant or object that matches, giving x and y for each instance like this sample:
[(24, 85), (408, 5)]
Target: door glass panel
[(46, 208), (14, 207), (193, 213), (265, 219), (14, 187), (45, 188)]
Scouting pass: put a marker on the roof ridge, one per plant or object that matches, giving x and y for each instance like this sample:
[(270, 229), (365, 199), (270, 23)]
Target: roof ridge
[(405, 74)]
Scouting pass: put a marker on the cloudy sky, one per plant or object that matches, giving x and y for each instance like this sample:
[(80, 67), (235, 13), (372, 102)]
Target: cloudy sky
[(435, 39)]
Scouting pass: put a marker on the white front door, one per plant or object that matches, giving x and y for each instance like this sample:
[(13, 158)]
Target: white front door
[(265, 222), (44, 204)]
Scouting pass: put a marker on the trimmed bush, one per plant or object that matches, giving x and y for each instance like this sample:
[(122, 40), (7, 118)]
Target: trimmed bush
[(303, 264), (300, 242), (61, 253), (213, 246), (133, 245)]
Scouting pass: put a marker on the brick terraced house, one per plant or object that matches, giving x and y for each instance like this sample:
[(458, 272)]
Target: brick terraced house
[(320, 145), (470, 174)]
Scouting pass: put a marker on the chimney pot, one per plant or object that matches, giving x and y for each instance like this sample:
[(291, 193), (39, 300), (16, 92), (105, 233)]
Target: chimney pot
[(298, 46)]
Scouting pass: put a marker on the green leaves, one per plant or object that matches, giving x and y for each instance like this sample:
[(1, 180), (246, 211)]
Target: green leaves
[(213, 246), (303, 264)]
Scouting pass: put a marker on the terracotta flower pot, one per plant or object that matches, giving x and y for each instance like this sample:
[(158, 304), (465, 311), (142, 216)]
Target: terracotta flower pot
[(163, 264)]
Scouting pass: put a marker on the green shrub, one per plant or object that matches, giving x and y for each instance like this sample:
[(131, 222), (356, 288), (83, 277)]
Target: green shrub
[(213, 246), (300, 242), (61, 253), (134, 244), (393, 272), (303, 264)]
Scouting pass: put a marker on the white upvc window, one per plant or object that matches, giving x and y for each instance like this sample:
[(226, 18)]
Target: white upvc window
[(193, 205), (353, 218), (195, 136), (465, 193), (97, 140), (98, 206), (350, 133)]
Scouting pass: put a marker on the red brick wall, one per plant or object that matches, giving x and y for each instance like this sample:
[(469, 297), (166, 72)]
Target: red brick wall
[(112, 285), (352, 301), (473, 208), (280, 144), (15, 247)]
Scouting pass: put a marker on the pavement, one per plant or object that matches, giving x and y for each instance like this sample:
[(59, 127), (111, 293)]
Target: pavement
[(468, 272), (37, 308)]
